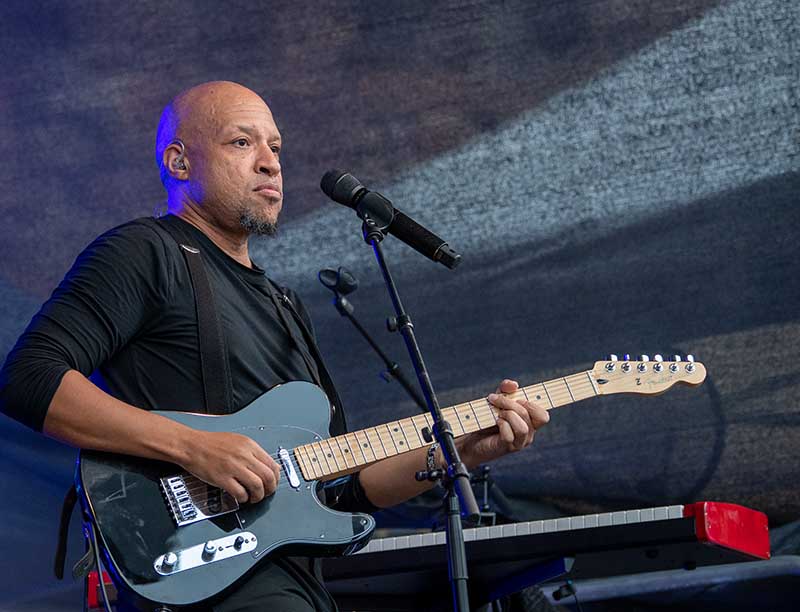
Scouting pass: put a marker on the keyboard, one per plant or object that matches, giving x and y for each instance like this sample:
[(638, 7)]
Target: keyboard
[(410, 568)]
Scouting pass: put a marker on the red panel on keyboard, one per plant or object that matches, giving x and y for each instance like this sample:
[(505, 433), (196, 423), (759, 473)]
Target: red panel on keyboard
[(731, 526)]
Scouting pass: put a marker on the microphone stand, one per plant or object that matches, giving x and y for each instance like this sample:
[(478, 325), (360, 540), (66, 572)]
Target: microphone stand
[(393, 369), (460, 497)]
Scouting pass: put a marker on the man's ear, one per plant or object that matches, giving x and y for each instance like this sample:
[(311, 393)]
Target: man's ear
[(175, 162)]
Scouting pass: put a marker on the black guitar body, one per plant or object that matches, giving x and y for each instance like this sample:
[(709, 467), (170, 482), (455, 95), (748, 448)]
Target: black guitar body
[(125, 499)]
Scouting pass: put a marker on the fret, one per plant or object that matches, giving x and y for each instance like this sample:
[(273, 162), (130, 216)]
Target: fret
[(539, 393), (355, 449), (321, 464), (411, 433), (354, 444), (365, 446), (334, 460), (464, 412), (399, 436), (347, 454), (315, 468), (484, 414), (591, 380), (376, 444), (566, 384), (580, 389), (554, 393), (305, 464), (391, 437), (421, 421), (451, 416)]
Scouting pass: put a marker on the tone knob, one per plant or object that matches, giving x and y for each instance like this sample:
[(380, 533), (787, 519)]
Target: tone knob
[(237, 543), (209, 549), (170, 559)]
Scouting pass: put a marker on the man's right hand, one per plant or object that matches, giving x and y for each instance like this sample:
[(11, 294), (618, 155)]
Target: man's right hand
[(234, 463), (85, 416)]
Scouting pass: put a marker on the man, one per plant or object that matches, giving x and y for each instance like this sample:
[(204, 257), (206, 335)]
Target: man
[(126, 312)]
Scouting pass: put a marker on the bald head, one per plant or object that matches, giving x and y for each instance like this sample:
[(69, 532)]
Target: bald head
[(195, 114)]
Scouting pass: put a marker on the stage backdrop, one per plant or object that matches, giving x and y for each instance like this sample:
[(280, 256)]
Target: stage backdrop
[(620, 177)]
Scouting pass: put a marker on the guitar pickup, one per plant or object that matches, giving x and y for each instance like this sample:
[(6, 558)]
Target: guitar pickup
[(288, 467)]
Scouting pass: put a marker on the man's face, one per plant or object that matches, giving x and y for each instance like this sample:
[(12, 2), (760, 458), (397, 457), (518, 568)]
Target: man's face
[(234, 148)]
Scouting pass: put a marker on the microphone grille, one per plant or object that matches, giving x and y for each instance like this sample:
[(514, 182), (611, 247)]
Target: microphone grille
[(341, 186)]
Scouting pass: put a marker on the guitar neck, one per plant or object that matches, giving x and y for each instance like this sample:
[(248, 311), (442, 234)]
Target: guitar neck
[(340, 455)]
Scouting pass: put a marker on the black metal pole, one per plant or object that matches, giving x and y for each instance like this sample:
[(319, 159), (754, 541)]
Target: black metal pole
[(457, 479), (393, 369)]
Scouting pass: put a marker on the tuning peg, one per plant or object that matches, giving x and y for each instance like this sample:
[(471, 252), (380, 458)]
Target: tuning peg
[(612, 357), (626, 357), (690, 358), (658, 357), (676, 358), (644, 358), (690, 365)]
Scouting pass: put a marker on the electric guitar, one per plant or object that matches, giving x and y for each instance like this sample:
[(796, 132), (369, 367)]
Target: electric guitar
[(172, 539)]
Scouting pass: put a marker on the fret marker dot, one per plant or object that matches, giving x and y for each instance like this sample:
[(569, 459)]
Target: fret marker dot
[(347, 450), (313, 459), (366, 445), (400, 443), (538, 397), (329, 455), (395, 429), (466, 416)]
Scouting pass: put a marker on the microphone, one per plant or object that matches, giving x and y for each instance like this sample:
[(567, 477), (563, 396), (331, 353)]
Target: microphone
[(344, 188)]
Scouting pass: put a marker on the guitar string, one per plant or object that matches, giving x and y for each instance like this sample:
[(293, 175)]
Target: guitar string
[(568, 392), (520, 394)]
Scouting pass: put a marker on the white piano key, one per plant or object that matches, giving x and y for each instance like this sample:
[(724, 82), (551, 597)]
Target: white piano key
[(675, 512), (428, 539), (604, 519), (401, 542), (577, 522), (470, 534), (510, 530), (660, 513), (549, 525), (389, 544), (495, 531), (440, 537), (481, 533), (632, 516), (590, 520), (415, 540), (646, 515), (537, 527), (617, 518), (523, 529), (563, 524)]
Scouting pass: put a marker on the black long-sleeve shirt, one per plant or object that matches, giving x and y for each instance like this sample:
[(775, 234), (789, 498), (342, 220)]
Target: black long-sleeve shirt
[(125, 314)]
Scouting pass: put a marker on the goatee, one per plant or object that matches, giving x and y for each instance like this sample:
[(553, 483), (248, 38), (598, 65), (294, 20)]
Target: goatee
[(255, 226)]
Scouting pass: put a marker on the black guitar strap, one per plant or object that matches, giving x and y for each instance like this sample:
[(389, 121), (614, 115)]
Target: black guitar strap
[(216, 373), (318, 370)]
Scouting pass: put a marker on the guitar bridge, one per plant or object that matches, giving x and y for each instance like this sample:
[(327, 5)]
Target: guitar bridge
[(191, 500)]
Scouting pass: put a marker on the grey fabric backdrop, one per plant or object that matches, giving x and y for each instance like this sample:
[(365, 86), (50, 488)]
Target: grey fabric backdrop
[(619, 175)]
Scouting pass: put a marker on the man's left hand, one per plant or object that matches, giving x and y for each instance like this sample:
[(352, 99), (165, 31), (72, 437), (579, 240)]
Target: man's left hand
[(517, 422)]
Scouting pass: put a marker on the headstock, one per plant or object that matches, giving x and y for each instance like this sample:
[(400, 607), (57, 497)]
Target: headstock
[(646, 377)]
